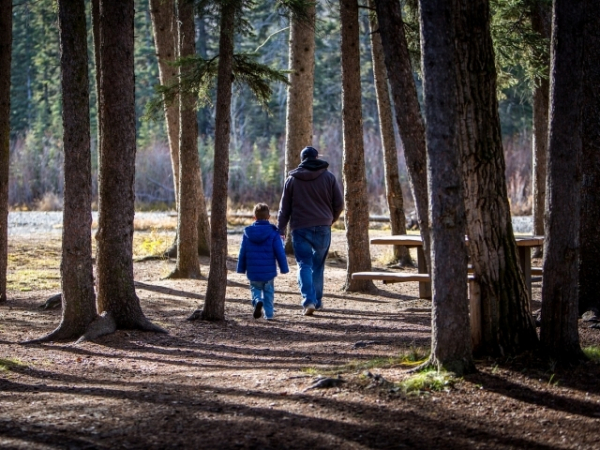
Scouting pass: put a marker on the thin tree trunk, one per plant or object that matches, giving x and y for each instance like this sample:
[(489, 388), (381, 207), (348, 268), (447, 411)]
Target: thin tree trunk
[(188, 265), (451, 337), (95, 20), (116, 291), (393, 191), (507, 324), (355, 195), (560, 294), (541, 23), (164, 22), (5, 60), (406, 104), (214, 305), (299, 114), (589, 268)]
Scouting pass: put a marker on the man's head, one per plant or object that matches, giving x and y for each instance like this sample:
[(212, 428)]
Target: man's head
[(261, 211), (308, 153)]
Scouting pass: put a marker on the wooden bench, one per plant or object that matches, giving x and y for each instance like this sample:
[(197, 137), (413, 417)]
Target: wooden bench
[(391, 277)]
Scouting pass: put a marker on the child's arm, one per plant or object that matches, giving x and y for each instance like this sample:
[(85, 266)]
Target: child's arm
[(241, 264), (280, 254)]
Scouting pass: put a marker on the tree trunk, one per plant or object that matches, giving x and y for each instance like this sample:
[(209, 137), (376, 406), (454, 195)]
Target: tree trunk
[(559, 334), (393, 191), (299, 114), (116, 291), (164, 20), (451, 337), (214, 305), (164, 23), (355, 185), (5, 60), (77, 278), (507, 324), (188, 265), (589, 269), (541, 23), (95, 12), (406, 104)]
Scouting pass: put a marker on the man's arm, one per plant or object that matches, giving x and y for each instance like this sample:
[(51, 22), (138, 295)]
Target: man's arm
[(285, 207), (337, 203)]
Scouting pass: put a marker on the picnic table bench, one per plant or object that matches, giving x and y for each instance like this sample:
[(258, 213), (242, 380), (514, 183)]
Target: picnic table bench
[(524, 244)]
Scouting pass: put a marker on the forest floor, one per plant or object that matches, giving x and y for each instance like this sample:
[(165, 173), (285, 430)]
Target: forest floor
[(246, 383)]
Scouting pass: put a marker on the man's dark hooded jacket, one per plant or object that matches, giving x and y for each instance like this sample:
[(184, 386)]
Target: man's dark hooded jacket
[(311, 197)]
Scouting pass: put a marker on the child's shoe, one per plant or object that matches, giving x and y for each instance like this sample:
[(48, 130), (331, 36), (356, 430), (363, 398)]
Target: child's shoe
[(257, 310)]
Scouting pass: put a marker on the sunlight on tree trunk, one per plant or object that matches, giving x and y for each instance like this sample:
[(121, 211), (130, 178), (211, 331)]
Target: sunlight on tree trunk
[(188, 264), (299, 114), (214, 305), (393, 190), (451, 337), (507, 324), (116, 291), (355, 197), (559, 333), (5, 60), (406, 104)]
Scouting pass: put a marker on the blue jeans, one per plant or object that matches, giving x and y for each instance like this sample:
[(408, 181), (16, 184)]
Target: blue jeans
[(263, 291), (311, 246)]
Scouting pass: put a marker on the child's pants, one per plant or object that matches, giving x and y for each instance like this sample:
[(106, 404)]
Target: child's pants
[(263, 291)]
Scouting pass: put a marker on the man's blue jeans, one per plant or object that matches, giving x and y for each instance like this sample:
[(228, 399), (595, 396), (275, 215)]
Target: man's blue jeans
[(263, 291), (311, 246)]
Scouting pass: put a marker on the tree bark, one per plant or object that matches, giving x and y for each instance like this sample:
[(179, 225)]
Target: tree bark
[(116, 291), (406, 104), (451, 337), (188, 265), (507, 324), (589, 270), (541, 23), (559, 334), (355, 197), (164, 20), (95, 13), (164, 23), (5, 60), (77, 278), (393, 191), (299, 114), (214, 305)]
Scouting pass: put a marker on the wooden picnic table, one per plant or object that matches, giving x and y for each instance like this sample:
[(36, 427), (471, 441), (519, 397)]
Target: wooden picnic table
[(524, 244)]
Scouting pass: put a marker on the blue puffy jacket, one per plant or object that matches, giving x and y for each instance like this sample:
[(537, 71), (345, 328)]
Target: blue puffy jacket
[(260, 252)]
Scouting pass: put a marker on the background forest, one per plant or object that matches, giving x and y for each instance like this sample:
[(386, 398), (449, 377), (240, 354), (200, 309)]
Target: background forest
[(258, 135)]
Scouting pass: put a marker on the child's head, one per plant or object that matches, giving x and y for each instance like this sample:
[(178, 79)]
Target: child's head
[(261, 211)]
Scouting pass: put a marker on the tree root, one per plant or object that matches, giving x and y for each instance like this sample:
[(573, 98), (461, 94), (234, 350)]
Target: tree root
[(196, 315), (178, 274), (52, 302)]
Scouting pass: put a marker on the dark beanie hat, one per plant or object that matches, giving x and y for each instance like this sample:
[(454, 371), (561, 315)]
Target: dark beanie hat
[(308, 152)]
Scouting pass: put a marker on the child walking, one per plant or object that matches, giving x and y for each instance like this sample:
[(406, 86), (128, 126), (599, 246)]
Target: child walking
[(260, 252)]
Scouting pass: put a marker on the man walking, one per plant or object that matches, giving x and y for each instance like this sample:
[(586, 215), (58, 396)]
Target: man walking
[(311, 202)]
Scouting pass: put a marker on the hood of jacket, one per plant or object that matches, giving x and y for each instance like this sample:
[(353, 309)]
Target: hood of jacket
[(260, 231), (310, 169)]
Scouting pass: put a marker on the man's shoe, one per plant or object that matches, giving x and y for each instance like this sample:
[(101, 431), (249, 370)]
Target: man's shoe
[(309, 310), (257, 310)]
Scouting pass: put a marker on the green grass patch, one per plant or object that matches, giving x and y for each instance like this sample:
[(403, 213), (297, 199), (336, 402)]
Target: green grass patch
[(11, 364), (150, 244), (427, 381), (25, 280), (593, 353)]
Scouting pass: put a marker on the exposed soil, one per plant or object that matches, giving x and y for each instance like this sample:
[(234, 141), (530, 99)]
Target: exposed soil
[(243, 383)]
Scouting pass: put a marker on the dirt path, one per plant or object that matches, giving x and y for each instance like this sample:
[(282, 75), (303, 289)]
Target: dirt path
[(243, 383)]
